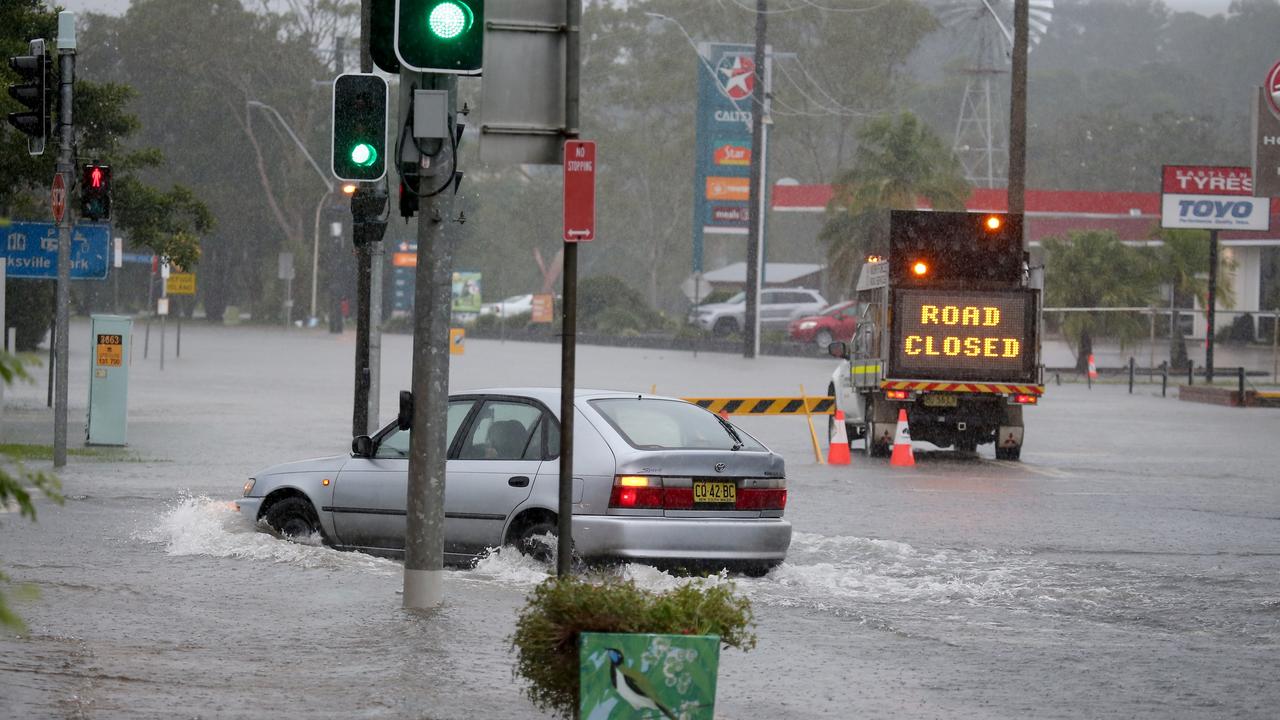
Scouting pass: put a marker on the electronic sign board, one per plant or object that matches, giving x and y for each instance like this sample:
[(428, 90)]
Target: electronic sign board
[(963, 335)]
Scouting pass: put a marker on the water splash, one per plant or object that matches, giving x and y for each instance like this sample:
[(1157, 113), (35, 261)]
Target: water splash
[(199, 525)]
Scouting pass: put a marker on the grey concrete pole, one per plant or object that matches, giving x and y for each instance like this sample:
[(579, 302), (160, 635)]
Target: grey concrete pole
[(428, 442), (750, 343), (67, 66)]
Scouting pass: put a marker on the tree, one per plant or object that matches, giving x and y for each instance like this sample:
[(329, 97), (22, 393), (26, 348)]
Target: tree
[(218, 56), (1182, 263), (1093, 269), (168, 223), (898, 162)]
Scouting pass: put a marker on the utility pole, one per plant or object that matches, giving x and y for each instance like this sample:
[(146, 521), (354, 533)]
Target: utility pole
[(755, 221), (433, 300), (67, 68), (1018, 112)]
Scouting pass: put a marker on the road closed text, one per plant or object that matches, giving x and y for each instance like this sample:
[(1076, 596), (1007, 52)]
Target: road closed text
[(943, 333)]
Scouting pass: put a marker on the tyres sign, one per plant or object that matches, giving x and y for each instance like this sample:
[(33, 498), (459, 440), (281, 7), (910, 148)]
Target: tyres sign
[(963, 335), (1211, 198)]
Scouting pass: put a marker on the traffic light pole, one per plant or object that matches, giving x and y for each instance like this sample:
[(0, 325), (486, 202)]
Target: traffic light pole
[(67, 67), (433, 296)]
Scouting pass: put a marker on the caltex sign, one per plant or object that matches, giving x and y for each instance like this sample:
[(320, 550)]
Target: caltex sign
[(722, 164)]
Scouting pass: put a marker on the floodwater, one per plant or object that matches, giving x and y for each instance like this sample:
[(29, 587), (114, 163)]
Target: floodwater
[(1130, 567)]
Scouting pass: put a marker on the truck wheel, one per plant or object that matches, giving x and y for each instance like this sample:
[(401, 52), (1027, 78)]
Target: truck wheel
[(966, 445), (724, 327), (1009, 453)]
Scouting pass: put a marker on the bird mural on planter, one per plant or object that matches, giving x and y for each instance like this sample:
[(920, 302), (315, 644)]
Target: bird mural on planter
[(634, 687)]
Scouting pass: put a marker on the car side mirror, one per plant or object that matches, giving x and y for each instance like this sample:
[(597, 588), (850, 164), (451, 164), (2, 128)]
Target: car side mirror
[(362, 446), (404, 419), (838, 350)]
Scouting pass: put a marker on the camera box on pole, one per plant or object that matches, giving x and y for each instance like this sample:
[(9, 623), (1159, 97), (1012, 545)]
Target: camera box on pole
[(109, 380)]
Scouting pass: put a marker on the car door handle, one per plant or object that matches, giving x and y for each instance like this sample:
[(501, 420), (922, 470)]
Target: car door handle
[(518, 481)]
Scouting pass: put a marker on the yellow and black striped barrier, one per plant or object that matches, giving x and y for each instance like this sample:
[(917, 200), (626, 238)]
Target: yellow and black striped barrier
[(768, 406), (803, 405)]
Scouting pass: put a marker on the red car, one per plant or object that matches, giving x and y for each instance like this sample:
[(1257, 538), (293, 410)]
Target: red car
[(837, 322)]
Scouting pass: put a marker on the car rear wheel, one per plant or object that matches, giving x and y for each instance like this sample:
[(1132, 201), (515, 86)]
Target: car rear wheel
[(293, 518), (537, 540)]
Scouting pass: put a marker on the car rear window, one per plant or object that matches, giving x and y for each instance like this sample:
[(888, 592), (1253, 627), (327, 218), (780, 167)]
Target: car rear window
[(654, 424)]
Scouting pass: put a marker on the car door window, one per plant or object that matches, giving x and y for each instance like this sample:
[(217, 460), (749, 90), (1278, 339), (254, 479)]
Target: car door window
[(501, 431), (396, 445)]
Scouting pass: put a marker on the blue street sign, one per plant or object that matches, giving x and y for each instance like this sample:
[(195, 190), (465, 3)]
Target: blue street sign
[(31, 250)]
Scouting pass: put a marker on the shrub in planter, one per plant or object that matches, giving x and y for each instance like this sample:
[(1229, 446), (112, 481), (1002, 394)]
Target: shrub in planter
[(558, 610)]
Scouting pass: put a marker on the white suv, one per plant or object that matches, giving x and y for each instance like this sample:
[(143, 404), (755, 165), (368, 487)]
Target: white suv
[(777, 308)]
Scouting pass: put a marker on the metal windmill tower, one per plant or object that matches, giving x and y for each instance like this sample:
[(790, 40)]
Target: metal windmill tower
[(983, 33)]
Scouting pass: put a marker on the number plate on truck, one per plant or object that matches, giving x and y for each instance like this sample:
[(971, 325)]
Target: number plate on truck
[(941, 400)]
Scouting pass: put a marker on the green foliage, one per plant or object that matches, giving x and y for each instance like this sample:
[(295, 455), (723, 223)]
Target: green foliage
[(1094, 269), (606, 304), (546, 636), (15, 481), (899, 161)]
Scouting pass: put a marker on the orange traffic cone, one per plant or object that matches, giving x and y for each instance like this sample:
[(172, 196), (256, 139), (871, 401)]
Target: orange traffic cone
[(838, 450), (1093, 369), (902, 456)]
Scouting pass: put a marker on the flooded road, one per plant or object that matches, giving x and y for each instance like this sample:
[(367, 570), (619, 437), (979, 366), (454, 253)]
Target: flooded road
[(1130, 567)]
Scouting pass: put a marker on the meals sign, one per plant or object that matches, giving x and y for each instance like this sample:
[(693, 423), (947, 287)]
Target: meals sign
[(961, 335)]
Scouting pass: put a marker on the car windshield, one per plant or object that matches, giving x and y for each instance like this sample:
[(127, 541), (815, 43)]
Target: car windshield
[(738, 299), (652, 424), (837, 308)]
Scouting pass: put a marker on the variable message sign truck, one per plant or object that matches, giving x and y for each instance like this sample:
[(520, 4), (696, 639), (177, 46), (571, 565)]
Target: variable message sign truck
[(949, 331)]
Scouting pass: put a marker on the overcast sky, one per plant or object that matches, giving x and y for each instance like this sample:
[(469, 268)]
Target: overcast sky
[(115, 7)]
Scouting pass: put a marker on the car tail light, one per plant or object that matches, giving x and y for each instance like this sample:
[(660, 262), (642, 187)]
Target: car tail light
[(762, 499), (1025, 399), (636, 492), (897, 394)]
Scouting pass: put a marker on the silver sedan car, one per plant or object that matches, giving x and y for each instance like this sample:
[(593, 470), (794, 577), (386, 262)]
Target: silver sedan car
[(656, 479)]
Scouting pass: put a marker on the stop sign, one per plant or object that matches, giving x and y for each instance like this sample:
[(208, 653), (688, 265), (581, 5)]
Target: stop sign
[(58, 197)]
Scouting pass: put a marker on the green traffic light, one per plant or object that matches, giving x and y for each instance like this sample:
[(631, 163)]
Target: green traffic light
[(364, 155), (448, 20)]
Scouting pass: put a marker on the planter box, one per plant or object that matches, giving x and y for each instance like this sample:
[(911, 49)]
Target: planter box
[(677, 671)]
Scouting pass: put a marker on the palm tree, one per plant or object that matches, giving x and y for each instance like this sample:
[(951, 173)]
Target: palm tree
[(1182, 263), (898, 162), (1094, 269)]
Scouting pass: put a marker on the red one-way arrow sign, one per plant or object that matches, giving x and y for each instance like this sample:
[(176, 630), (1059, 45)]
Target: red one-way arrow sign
[(579, 190)]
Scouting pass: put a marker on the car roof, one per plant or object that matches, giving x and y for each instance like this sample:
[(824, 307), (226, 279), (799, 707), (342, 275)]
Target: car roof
[(551, 395)]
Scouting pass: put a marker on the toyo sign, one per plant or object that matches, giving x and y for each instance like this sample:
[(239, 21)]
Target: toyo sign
[(1211, 198)]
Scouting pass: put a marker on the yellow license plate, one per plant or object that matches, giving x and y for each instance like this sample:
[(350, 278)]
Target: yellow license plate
[(706, 491), (941, 400)]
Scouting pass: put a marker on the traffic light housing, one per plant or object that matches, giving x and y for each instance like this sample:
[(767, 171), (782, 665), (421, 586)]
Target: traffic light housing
[(95, 192), (34, 92), (440, 36), (408, 201), (359, 127), (368, 221)]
